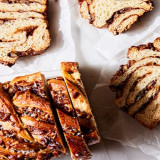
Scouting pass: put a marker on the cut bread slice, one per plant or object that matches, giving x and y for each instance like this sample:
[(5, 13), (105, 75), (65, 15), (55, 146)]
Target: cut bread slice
[(24, 29), (33, 107), (137, 84), (80, 101), (15, 141), (68, 120), (117, 16)]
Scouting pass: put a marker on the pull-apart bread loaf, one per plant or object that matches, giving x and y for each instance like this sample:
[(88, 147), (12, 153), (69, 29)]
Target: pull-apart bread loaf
[(33, 107), (137, 84), (117, 15), (80, 101), (23, 29), (68, 120)]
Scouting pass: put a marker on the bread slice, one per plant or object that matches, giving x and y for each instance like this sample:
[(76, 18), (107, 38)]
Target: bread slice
[(137, 84), (118, 16), (33, 107), (68, 120), (24, 29), (80, 101), (15, 141)]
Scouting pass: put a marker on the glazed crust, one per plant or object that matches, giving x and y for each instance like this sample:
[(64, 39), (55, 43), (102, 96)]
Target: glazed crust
[(33, 107), (117, 16), (15, 141), (68, 120), (137, 84), (80, 101), (24, 29)]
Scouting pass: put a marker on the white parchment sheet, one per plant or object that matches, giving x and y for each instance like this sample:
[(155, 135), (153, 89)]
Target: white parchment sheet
[(99, 53), (117, 125), (110, 52)]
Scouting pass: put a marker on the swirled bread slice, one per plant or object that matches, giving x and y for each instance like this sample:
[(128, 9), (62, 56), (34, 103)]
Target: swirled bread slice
[(117, 15), (137, 84), (68, 120), (80, 101), (24, 29), (15, 141), (33, 107)]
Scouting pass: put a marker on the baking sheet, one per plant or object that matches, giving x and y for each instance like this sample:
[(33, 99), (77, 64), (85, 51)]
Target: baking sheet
[(100, 54)]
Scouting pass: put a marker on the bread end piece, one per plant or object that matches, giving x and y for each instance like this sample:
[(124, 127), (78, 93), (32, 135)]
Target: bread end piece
[(78, 97)]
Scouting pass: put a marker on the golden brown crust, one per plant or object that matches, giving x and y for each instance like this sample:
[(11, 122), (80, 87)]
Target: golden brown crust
[(80, 101), (13, 134), (33, 107), (69, 122), (137, 84)]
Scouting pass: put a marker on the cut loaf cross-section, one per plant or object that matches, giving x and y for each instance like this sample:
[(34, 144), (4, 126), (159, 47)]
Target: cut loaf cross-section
[(137, 84), (23, 29), (117, 15)]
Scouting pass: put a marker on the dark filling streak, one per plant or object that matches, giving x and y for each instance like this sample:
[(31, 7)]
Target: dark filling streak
[(140, 95), (5, 116), (83, 115), (37, 131), (145, 90), (60, 102), (51, 143), (116, 30), (72, 131), (144, 106), (27, 2), (146, 46), (34, 88), (35, 113), (121, 86), (137, 81), (30, 31), (118, 13)]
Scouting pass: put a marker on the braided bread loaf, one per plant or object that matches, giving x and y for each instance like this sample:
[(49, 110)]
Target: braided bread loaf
[(137, 84), (33, 108), (116, 15), (24, 29)]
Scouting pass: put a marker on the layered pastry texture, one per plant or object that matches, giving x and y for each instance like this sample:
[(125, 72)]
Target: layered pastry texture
[(33, 108), (68, 120), (24, 29), (137, 84), (117, 15), (80, 101)]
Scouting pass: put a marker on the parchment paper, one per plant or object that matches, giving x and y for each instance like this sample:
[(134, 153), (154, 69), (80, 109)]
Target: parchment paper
[(115, 124), (110, 52), (100, 54)]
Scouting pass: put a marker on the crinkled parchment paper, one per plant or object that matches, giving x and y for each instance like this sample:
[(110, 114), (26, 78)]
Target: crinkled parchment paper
[(115, 124), (110, 52), (99, 54)]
